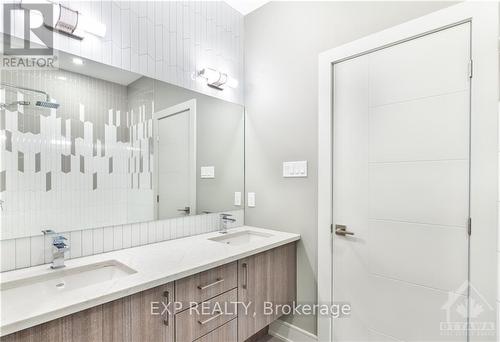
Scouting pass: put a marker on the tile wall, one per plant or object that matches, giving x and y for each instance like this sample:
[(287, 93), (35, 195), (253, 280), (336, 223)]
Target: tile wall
[(86, 164), (165, 40), (36, 250)]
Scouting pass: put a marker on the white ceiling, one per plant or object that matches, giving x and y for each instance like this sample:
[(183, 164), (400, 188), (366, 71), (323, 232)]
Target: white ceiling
[(246, 6)]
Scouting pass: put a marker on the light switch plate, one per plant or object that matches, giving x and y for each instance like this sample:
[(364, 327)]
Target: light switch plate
[(251, 199), (207, 172), (237, 198), (295, 169)]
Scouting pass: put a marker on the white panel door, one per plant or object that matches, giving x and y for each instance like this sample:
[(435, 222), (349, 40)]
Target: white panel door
[(401, 185), (175, 165)]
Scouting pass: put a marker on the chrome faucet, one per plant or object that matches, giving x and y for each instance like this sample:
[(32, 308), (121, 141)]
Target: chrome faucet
[(224, 219), (59, 247)]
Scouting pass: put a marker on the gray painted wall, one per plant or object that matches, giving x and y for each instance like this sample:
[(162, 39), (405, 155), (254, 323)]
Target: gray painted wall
[(282, 43)]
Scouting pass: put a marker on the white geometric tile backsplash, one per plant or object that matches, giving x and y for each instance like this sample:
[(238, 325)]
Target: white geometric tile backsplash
[(36, 250)]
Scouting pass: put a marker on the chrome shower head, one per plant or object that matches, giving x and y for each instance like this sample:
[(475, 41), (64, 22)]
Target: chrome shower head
[(47, 104)]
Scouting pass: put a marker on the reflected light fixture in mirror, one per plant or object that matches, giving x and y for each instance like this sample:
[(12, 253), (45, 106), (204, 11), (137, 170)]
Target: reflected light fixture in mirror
[(217, 79), (77, 61)]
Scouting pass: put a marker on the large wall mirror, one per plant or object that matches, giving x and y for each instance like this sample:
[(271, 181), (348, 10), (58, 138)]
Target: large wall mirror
[(87, 145)]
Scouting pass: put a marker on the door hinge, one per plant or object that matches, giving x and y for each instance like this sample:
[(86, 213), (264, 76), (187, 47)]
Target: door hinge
[(331, 228), (158, 198), (469, 226), (471, 68)]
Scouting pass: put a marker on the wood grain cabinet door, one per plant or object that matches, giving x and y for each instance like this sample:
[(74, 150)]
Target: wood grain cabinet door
[(128, 319), (265, 280), (152, 323), (226, 333), (140, 317), (82, 326)]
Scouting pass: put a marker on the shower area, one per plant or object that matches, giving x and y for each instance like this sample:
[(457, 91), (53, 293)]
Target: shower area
[(69, 149)]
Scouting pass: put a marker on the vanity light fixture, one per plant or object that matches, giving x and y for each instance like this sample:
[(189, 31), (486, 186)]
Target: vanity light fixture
[(217, 79), (70, 22)]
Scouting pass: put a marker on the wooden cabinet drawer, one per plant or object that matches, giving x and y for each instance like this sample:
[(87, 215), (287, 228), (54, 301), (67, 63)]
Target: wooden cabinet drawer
[(226, 333), (204, 317), (205, 285)]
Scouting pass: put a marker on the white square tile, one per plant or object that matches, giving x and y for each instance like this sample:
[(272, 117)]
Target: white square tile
[(108, 239), (76, 244), (48, 239), (152, 232), (118, 237), (126, 59), (173, 229), (125, 28), (127, 236), (37, 250), (165, 224), (97, 240), (159, 231), (136, 234), (144, 232), (87, 242), (23, 250), (8, 253)]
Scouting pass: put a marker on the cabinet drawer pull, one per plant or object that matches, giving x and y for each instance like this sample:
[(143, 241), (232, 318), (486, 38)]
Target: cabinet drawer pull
[(218, 281), (245, 278), (166, 320), (211, 318)]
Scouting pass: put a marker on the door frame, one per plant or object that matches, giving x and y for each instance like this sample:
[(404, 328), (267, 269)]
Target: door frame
[(190, 106), (484, 142)]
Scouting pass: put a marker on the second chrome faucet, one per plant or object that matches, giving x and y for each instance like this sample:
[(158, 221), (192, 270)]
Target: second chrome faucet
[(224, 219), (59, 247)]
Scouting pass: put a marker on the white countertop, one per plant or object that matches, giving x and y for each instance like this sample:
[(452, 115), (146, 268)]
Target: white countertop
[(156, 264)]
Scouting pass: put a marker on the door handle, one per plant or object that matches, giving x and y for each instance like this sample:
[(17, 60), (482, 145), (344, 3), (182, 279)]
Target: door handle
[(187, 210), (245, 278), (166, 320), (204, 287), (217, 315), (341, 230)]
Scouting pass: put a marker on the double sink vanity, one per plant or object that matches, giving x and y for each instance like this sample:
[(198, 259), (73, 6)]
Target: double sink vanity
[(208, 287), (136, 175)]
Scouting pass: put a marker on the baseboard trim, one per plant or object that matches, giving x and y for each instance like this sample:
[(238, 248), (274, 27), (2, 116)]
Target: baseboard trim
[(290, 333)]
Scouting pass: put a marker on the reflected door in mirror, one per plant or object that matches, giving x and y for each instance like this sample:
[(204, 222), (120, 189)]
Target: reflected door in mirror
[(176, 171)]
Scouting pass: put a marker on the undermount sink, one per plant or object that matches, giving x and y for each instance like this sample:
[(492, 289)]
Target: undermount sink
[(240, 238), (66, 279)]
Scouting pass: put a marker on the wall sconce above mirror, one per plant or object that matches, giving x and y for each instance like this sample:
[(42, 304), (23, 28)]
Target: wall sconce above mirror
[(63, 19)]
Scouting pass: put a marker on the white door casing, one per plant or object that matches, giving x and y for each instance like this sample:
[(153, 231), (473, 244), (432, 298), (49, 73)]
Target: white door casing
[(175, 160), (400, 180), (483, 189)]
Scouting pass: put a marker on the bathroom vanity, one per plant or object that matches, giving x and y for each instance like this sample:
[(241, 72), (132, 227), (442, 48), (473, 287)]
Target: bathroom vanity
[(214, 286)]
